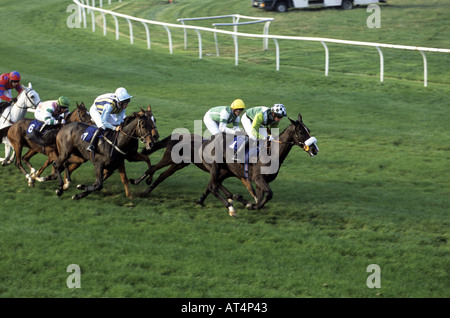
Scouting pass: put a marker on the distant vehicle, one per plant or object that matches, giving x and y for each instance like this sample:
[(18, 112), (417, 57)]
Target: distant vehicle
[(284, 5)]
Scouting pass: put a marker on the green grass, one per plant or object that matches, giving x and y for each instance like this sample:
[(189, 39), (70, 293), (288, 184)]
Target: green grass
[(377, 193)]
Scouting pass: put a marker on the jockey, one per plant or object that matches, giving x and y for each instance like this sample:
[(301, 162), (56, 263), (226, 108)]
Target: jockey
[(217, 118), (108, 112), (52, 112), (260, 117), (9, 81)]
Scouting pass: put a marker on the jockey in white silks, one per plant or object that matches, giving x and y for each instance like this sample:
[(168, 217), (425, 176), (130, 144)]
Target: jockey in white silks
[(52, 112), (108, 112)]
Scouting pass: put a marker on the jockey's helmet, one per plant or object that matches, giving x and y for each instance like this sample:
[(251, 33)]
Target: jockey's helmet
[(122, 94), (63, 102), (14, 76), (279, 110), (237, 104)]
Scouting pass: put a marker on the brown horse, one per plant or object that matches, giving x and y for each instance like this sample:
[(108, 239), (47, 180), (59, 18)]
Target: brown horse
[(188, 146), (17, 135), (110, 153), (262, 172)]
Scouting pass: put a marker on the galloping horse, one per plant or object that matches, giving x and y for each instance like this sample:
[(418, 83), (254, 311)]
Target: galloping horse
[(111, 152), (28, 98), (17, 136), (295, 134), (181, 142)]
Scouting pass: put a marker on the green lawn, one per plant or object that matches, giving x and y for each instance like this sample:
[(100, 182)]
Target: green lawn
[(377, 193)]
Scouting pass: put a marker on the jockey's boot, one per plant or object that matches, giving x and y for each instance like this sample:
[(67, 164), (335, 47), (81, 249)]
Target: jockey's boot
[(240, 153), (93, 145)]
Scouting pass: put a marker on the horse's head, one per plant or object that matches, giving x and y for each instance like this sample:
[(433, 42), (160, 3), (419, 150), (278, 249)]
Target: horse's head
[(80, 114), (302, 137), (146, 127), (28, 98)]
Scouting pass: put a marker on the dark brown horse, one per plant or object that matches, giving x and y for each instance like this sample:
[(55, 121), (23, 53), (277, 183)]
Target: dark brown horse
[(186, 147), (264, 171), (17, 136), (111, 152)]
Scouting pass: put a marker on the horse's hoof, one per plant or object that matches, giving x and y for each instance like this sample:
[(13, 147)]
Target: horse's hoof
[(59, 192), (200, 202), (132, 181), (80, 187), (75, 197), (237, 196), (249, 206), (232, 211)]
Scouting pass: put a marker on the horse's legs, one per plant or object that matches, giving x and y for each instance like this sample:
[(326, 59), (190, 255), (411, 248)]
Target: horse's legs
[(9, 153), (75, 162), (264, 192), (214, 185), (123, 177), (18, 162), (59, 165), (139, 157), (164, 175), (213, 188), (97, 186)]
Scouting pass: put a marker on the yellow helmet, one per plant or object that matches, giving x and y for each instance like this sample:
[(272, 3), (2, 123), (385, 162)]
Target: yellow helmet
[(238, 104)]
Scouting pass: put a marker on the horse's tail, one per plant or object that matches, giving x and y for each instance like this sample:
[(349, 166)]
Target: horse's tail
[(36, 137), (157, 145), (43, 139)]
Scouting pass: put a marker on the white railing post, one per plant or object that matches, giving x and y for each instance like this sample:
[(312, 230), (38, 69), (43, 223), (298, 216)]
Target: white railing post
[(277, 55), (215, 40), (185, 35), (170, 38), (200, 53), (425, 69), (236, 50), (93, 20), (327, 57), (104, 23), (381, 64), (131, 30), (117, 26), (147, 33), (266, 32)]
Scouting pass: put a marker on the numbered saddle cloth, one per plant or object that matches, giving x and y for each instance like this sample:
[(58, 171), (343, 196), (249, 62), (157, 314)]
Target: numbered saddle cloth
[(89, 132), (34, 125)]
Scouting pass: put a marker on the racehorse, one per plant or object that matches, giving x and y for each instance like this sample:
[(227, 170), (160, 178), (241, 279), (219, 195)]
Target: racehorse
[(295, 134), (28, 98), (111, 152), (17, 136), (181, 142)]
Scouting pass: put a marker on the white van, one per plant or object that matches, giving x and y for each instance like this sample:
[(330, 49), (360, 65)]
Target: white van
[(284, 5)]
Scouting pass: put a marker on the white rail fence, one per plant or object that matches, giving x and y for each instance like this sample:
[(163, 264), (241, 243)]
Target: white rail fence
[(84, 9)]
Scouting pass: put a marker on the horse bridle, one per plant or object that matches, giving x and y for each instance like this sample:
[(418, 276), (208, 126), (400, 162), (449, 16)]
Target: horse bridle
[(29, 99), (141, 138), (305, 145)]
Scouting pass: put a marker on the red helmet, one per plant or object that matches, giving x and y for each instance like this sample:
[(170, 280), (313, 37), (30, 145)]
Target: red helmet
[(14, 76)]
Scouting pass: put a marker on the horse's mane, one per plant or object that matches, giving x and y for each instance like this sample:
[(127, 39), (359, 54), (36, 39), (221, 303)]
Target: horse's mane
[(130, 117), (287, 127)]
